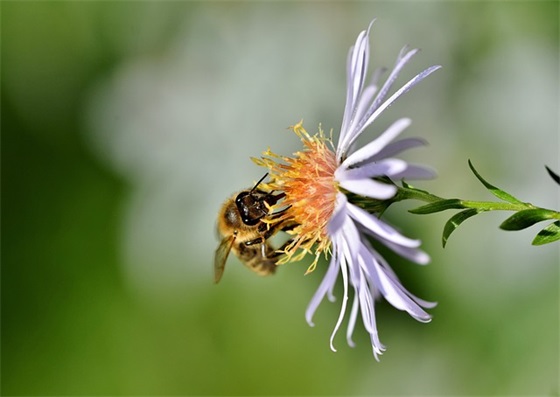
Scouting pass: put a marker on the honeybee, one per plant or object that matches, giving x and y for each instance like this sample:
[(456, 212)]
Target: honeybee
[(242, 231)]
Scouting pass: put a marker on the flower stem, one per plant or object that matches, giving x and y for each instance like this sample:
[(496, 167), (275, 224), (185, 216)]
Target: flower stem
[(407, 193), (525, 214)]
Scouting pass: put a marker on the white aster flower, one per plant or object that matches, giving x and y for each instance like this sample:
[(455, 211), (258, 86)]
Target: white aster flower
[(324, 187)]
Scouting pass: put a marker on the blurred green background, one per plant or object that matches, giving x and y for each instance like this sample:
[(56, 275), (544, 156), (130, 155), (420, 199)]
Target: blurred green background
[(126, 124)]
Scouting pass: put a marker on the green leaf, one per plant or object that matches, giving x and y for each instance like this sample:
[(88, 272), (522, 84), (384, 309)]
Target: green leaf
[(499, 193), (553, 175), (523, 219), (454, 222), (406, 185), (549, 234), (438, 206), (410, 187)]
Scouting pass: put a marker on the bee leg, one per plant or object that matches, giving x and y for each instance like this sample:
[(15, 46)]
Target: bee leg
[(274, 198), (281, 212), (280, 251), (258, 240), (285, 226), (289, 226)]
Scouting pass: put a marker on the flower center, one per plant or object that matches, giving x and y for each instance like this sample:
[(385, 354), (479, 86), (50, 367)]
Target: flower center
[(308, 181)]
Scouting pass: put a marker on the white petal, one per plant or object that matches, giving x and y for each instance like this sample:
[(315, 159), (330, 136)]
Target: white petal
[(395, 296), (369, 188), (344, 271), (361, 106), (388, 167), (377, 144), (359, 64), (326, 284), (363, 123), (367, 305), (349, 138), (404, 57), (352, 320), (425, 304), (349, 106), (356, 70), (379, 227), (394, 292), (339, 215), (351, 246), (390, 273), (330, 290), (413, 254), (414, 171), (378, 347), (396, 147)]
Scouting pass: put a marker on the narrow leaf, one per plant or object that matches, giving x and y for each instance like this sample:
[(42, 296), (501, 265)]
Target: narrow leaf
[(523, 219), (553, 175), (499, 193), (438, 206), (406, 185), (549, 234), (410, 187), (454, 222)]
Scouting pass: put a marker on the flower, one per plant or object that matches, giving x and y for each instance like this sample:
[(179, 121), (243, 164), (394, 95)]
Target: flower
[(326, 188)]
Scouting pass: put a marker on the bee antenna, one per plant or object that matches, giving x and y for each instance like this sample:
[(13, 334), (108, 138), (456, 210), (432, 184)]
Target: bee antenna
[(259, 182)]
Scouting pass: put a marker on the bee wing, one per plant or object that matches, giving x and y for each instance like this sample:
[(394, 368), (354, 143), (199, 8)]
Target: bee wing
[(221, 256)]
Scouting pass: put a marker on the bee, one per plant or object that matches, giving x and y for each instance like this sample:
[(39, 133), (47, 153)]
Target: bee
[(243, 232)]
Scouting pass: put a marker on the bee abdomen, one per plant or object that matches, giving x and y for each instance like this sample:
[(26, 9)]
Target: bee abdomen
[(262, 267), (260, 258)]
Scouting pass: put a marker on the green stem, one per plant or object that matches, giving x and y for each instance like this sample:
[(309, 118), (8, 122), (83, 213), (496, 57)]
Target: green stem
[(525, 214), (496, 206), (407, 193)]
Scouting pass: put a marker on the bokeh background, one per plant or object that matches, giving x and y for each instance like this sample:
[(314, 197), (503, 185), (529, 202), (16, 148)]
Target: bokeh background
[(126, 124)]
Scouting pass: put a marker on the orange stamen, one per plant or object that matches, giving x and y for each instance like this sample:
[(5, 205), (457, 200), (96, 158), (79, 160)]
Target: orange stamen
[(308, 181)]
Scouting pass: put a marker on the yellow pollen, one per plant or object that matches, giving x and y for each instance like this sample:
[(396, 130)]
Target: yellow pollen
[(308, 181)]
